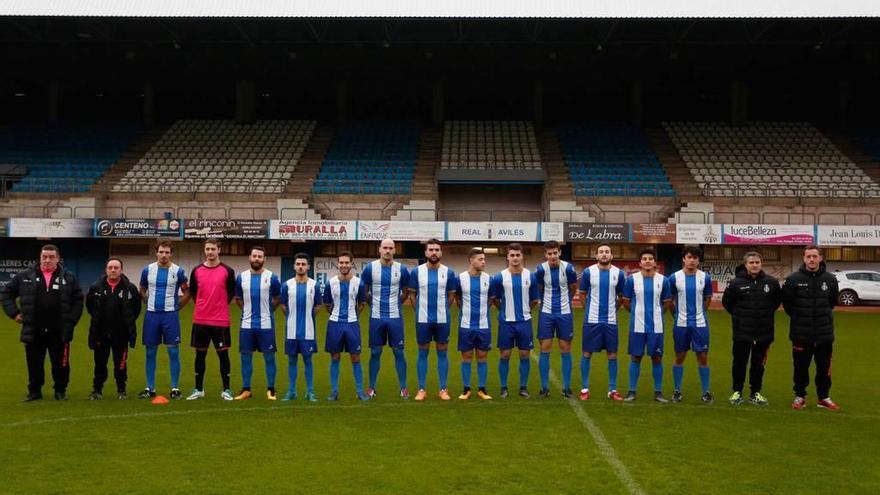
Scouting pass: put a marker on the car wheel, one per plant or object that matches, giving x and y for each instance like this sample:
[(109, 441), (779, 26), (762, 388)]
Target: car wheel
[(848, 298)]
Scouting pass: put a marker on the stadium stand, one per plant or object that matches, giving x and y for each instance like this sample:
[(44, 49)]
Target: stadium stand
[(488, 145), (63, 158), (768, 159), (611, 160), (370, 158), (198, 156)]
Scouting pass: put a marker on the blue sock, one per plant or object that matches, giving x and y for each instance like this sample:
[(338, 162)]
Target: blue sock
[(174, 365), (291, 372), (704, 378), (310, 373), (271, 369), (421, 367), (247, 368), (503, 371), (677, 375), (482, 373), (442, 368), (334, 376), (585, 372), (612, 374), (634, 370), (151, 366), (525, 365), (566, 370), (466, 374), (657, 371), (375, 363), (358, 377), (400, 365), (543, 369)]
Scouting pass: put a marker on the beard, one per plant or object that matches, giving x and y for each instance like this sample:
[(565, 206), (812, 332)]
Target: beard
[(256, 266), (344, 271), (434, 259), (605, 263)]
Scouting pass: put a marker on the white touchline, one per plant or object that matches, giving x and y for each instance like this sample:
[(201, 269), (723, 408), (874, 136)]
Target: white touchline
[(605, 447)]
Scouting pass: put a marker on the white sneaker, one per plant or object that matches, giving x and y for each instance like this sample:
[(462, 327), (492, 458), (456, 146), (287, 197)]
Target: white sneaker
[(227, 395), (196, 394)]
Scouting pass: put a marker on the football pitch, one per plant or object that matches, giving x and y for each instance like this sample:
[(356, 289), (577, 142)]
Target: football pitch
[(389, 445)]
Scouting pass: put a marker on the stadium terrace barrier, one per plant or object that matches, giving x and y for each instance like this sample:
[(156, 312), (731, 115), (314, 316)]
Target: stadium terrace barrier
[(492, 215), (207, 185), (756, 190)]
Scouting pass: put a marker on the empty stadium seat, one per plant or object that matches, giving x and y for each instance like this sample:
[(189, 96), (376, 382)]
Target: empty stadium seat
[(489, 145)]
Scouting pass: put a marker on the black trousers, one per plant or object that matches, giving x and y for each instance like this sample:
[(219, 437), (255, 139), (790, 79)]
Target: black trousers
[(120, 365), (742, 350), (59, 356), (803, 354)]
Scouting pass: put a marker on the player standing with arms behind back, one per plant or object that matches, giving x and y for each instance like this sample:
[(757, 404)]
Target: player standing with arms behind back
[(558, 282), (301, 299), (344, 299), (474, 327)]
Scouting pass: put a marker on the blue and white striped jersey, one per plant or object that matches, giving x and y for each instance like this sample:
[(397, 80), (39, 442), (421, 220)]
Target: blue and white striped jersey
[(432, 288), (602, 288), (385, 285), (344, 295), (256, 291), (688, 292), (515, 291), (163, 286), (300, 300), (556, 282), (646, 295), (473, 295)]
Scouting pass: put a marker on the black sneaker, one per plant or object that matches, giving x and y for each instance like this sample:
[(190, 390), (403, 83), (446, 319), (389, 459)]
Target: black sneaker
[(658, 397), (544, 393), (504, 393), (525, 393), (175, 394), (630, 396), (708, 398), (147, 394), (32, 396), (121, 395), (566, 394), (95, 395), (60, 395), (676, 396)]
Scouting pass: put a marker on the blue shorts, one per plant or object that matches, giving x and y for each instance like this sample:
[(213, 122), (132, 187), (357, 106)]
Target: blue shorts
[(292, 347), (251, 340), (343, 337), (693, 338), (599, 337), (432, 332), (559, 326), (161, 328), (386, 331), (515, 334), (639, 342), (474, 338)]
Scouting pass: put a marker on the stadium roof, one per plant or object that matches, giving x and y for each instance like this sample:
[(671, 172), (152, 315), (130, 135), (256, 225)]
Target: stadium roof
[(446, 8)]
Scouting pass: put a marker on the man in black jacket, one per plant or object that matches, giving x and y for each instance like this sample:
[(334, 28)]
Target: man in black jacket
[(809, 296), (114, 304), (50, 303), (751, 299)]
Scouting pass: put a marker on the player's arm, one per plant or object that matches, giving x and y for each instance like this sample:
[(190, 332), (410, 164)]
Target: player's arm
[(185, 297), (495, 292), (317, 302), (239, 293), (583, 288), (535, 292), (284, 296), (627, 294), (707, 292), (275, 291), (666, 296)]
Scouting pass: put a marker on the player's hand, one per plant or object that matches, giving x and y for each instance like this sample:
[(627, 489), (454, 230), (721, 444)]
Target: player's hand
[(18, 318)]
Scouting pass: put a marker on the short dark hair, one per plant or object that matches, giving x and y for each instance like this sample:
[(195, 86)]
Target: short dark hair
[(514, 246), (475, 252), (812, 247), (433, 241), (647, 251), (345, 254), (550, 245), (258, 248), (211, 240), (167, 244), (301, 256), (114, 258), (51, 247), (603, 244), (693, 250)]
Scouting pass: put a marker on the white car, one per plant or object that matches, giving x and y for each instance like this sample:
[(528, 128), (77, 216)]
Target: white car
[(857, 285)]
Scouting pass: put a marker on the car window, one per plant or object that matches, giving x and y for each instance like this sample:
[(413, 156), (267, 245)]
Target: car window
[(856, 276), (875, 277)]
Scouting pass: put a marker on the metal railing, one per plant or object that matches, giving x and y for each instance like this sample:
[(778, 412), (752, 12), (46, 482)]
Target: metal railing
[(816, 191), (527, 215), (364, 187), (203, 185)]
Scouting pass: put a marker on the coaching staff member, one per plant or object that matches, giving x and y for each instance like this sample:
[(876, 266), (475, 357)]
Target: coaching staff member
[(752, 299), (808, 296), (50, 303), (114, 305)]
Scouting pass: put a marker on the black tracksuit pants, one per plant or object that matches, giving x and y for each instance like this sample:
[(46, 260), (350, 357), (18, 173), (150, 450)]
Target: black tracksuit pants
[(803, 354), (742, 350), (59, 356), (120, 365)]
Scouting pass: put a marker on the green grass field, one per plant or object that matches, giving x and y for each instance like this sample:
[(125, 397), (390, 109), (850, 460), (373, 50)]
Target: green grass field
[(388, 445)]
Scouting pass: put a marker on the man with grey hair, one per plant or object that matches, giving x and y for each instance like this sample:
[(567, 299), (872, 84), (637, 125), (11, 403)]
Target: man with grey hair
[(751, 299)]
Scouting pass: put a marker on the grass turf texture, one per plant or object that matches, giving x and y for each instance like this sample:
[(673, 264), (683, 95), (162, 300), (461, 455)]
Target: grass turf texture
[(388, 445)]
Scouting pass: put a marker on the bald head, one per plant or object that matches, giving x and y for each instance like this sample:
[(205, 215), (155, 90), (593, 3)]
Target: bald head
[(386, 250)]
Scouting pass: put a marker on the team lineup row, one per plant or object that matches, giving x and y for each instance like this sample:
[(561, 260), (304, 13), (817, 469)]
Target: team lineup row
[(48, 303)]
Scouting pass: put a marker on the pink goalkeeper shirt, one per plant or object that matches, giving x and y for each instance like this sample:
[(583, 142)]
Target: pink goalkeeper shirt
[(212, 289)]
